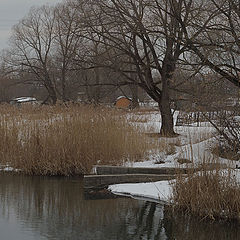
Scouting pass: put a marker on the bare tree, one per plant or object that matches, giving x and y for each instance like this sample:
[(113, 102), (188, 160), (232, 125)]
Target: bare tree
[(44, 45), (145, 35), (214, 38), (67, 42), (31, 43)]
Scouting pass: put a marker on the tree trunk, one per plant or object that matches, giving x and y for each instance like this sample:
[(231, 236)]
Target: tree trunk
[(50, 87), (96, 94), (167, 127), (134, 91), (64, 84), (53, 96), (51, 91)]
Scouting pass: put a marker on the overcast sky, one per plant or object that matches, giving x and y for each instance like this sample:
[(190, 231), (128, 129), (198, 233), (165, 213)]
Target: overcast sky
[(11, 11)]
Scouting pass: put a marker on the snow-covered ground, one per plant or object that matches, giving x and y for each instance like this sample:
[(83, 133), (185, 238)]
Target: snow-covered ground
[(155, 191), (192, 146)]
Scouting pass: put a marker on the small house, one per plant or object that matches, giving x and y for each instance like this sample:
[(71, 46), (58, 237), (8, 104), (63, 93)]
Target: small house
[(123, 102)]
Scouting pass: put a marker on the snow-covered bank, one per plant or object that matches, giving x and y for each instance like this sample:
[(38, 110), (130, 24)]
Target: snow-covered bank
[(155, 191), (161, 191), (193, 145)]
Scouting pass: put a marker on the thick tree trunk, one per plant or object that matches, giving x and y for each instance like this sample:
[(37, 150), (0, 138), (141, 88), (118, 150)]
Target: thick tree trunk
[(167, 127)]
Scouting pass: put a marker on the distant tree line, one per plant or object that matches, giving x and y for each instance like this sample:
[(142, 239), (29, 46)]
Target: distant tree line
[(143, 44)]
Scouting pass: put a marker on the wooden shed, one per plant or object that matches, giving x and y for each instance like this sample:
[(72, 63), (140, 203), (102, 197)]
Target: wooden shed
[(123, 102)]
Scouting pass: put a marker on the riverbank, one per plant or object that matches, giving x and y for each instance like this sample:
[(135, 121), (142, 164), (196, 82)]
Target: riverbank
[(69, 140), (208, 194), (204, 194)]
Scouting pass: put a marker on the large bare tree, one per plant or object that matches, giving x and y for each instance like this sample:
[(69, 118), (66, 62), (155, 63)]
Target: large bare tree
[(31, 45), (146, 37)]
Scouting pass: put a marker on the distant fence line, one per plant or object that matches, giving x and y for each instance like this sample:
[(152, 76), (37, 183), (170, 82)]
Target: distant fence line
[(188, 118)]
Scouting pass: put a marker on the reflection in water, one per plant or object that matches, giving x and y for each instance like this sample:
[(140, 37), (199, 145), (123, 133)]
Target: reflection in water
[(54, 208)]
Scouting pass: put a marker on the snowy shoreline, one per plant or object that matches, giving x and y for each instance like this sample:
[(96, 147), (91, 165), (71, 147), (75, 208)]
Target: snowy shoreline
[(194, 145), (159, 192)]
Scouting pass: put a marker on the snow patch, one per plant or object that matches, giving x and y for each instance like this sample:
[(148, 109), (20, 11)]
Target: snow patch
[(158, 191)]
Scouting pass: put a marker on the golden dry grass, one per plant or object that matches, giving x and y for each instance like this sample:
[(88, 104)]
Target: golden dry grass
[(211, 193), (67, 140)]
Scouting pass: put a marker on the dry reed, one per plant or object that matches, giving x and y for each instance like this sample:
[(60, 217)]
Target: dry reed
[(67, 140), (211, 193)]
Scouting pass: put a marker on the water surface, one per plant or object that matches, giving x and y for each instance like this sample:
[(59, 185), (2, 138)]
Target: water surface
[(47, 208)]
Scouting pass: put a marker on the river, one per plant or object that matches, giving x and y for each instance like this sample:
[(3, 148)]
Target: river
[(48, 208)]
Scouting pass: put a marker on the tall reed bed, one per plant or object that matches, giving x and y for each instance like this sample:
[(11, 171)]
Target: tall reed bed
[(212, 193), (67, 140)]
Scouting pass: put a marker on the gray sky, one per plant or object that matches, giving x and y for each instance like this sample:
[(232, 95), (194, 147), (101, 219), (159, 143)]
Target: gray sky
[(11, 11)]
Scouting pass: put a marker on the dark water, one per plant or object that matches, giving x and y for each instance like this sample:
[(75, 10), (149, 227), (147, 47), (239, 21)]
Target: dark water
[(43, 208)]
